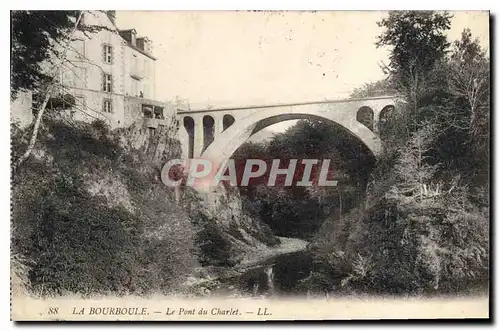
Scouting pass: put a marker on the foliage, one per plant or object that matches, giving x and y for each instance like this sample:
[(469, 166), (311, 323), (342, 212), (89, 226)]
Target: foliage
[(37, 39), (34, 39), (469, 84), (424, 226), (414, 221), (298, 211), (135, 241), (401, 245), (379, 88), (213, 246), (418, 41)]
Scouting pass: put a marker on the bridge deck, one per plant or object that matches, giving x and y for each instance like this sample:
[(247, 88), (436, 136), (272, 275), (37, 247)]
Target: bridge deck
[(283, 104)]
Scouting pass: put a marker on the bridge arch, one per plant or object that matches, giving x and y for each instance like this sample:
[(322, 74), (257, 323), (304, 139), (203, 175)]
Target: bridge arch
[(233, 137), (227, 121), (188, 123), (208, 130), (365, 116)]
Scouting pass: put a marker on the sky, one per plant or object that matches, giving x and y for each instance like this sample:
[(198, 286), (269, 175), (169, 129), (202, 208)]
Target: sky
[(224, 59)]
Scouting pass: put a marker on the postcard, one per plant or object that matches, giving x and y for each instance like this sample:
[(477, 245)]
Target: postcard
[(250, 165)]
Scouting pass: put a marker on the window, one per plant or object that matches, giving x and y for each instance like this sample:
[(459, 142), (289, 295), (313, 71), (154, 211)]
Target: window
[(107, 53), (107, 83), (107, 106)]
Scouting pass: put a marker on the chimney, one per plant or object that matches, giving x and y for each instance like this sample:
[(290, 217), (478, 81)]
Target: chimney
[(144, 44), (129, 36), (111, 15)]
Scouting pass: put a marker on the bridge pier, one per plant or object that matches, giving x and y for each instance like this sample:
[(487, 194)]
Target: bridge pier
[(376, 121), (198, 136), (218, 126)]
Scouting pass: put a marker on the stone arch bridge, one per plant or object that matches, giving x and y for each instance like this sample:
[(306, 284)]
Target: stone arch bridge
[(215, 134)]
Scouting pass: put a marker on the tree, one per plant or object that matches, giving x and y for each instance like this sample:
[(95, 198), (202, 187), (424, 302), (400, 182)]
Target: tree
[(469, 74), (40, 38), (414, 169), (418, 43), (61, 57), (469, 83), (461, 114), (35, 38), (374, 89), (425, 221)]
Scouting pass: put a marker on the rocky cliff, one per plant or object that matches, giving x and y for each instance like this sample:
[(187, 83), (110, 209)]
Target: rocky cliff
[(223, 207), (90, 203)]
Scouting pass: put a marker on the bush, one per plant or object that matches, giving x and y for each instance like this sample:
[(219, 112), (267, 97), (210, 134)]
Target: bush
[(78, 243), (213, 246), (400, 246), (82, 243)]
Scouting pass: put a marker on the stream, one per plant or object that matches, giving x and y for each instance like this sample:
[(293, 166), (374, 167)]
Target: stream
[(275, 275)]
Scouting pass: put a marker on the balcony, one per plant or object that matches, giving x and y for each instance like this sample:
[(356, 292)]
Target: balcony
[(137, 72), (147, 112), (151, 123), (153, 116)]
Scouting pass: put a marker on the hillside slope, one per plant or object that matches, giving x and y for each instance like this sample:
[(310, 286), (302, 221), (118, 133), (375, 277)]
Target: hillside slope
[(90, 214)]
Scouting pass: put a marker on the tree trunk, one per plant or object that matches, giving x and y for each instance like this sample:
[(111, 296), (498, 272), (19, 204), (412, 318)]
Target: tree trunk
[(38, 120), (35, 131)]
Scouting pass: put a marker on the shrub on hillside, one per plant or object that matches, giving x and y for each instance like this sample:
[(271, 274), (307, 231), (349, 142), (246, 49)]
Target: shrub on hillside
[(407, 246), (79, 242)]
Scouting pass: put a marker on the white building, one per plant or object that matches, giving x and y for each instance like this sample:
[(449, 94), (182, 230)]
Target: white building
[(111, 74)]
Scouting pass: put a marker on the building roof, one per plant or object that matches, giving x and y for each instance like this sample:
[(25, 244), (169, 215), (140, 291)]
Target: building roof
[(135, 47), (141, 51), (127, 30)]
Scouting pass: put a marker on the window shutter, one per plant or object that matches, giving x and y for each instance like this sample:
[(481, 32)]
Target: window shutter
[(103, 81)]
